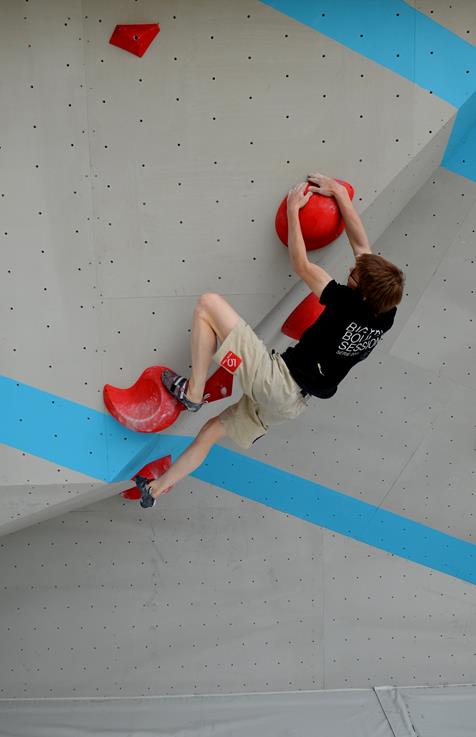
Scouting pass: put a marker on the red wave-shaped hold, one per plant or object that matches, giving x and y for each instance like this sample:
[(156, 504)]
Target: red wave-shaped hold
[(303, 316), (146, 406)]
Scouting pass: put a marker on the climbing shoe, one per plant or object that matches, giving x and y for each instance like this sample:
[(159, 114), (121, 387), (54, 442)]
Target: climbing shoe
[(177, 385)]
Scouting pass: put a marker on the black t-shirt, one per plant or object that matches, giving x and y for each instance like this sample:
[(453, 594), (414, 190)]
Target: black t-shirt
[(344, 334)]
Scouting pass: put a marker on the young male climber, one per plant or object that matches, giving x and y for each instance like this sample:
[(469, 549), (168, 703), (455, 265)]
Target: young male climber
[(276, 386)]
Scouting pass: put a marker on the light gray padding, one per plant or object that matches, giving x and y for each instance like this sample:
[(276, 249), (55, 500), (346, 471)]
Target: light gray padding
[(396, 711), (430, 712), (324, 714), (379, 712), (442, 711)]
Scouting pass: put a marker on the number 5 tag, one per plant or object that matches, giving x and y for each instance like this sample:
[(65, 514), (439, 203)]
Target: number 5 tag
[(231, 362)]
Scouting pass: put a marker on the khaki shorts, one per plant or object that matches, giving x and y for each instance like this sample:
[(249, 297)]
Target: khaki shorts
[(270, 393)]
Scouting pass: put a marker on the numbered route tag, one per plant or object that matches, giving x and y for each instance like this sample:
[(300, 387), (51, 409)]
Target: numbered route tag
[(231, 362)]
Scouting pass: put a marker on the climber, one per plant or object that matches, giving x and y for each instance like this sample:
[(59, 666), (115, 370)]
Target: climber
[(276, 387)]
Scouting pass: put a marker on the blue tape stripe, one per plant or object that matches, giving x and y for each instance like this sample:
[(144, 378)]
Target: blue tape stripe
[(396, 36), (64, 432), (407, 42), (335, 511), (83, 439), (460, 154)]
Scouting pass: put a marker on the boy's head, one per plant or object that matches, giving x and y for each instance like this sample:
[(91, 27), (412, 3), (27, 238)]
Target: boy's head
[(379, 281)]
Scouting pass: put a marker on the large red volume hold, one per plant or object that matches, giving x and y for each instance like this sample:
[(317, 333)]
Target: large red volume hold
[(146, 406), (303, 316), (152, 471), (321, 221), (135, 38)]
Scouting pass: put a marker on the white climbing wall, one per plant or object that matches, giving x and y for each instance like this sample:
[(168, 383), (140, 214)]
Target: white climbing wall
[(130, 186), (164, 174)]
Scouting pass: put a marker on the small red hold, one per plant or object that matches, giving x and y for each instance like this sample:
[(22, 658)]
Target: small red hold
[(321, 221), (218, 386), (303, 316), (146, 406), (152, 471), (135, 38)]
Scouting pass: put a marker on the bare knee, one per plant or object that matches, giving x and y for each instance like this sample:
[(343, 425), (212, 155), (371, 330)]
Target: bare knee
[(221, 316), (207, 303)]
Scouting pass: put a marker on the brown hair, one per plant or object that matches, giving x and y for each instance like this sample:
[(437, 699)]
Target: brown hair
[(379, 281)]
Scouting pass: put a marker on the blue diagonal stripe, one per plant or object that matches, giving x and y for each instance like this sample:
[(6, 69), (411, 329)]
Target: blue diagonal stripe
[(83, 439)]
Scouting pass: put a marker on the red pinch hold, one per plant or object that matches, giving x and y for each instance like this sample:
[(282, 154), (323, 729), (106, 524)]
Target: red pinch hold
[(152, 471), (303, 316), (218, 386), (135, 38)]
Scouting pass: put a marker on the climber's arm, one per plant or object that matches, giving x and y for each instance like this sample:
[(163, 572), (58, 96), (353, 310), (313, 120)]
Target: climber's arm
[(315, 277), (353, 224)]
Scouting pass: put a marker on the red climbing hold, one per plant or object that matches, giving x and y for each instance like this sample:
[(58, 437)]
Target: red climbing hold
[(321, 221), (218, 386), (136, 38), (153, 470), (301, 318), (146, 406)]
